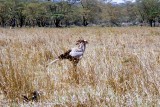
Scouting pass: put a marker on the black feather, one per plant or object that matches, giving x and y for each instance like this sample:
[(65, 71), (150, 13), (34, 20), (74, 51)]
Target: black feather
[(65, 55)]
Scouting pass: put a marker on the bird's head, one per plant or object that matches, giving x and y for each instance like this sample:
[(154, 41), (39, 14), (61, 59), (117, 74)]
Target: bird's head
[(81, 41)]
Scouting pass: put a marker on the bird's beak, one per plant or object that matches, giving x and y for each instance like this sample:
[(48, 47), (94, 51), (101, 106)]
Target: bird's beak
[(87, 42), (77, 43)]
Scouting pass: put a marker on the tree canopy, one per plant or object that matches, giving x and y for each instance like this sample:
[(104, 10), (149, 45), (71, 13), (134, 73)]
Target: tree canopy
[(50, 13)]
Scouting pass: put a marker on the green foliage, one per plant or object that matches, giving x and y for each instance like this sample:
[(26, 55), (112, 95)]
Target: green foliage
[(44, 12), (149, 9)]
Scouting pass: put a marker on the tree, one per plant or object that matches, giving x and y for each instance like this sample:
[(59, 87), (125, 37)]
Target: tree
[(8, 12), (129, 13), (11, 12), (91, 11), (112, 14), (3, 11), (149, 10), (36, 14), (60, 12)]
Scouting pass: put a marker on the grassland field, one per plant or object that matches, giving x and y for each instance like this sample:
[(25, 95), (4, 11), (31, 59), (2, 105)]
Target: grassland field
[(120, 67)]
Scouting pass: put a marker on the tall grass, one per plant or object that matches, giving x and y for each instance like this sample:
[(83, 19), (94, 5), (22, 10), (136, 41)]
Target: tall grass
[(119, 68)]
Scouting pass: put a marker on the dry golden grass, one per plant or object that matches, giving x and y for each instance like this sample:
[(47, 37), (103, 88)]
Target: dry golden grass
[(121, 67)]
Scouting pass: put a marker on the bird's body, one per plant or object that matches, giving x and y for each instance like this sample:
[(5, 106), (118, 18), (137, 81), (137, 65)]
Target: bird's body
[(77, 52), (74, 54)]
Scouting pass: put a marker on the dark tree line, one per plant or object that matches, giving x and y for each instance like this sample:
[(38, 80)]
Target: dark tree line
[(46, 13)]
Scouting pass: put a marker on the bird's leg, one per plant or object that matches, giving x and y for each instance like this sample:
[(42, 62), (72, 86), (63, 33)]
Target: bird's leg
[(75, 73)]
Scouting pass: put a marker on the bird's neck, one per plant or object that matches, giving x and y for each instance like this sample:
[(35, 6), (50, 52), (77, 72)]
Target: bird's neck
[(82, 46)]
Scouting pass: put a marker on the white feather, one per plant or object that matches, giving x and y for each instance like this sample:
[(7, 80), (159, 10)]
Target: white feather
[(78, 51)]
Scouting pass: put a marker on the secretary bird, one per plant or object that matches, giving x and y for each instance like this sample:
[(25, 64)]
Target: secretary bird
[(74, 54)]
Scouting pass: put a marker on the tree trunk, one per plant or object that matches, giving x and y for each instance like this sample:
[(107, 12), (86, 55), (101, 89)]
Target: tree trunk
[(38, 22), (150, 22), (85, 23), (57, 22), (3, 22), (13, 23), (154, 23), (43, 23), (21, 21), (67, 23)]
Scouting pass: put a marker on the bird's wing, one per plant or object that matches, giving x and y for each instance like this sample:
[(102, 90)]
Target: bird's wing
[(76, 53), (65, 55)]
